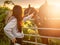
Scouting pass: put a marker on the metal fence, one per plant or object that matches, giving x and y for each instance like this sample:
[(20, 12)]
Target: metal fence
[(36, 35)]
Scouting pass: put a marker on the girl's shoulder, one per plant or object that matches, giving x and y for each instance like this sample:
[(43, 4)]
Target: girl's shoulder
[(12, 23), (12, 19)]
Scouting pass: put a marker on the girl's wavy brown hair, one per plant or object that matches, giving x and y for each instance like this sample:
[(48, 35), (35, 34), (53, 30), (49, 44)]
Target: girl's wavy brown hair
[(17, 13)]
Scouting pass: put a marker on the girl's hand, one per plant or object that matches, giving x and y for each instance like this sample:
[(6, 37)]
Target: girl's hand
[(14, 40)]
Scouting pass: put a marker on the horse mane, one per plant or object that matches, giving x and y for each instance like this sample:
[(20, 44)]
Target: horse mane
[(29, 11)]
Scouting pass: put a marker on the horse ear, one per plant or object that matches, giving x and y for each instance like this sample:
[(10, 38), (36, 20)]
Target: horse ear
[(29, 5), (46, 2)]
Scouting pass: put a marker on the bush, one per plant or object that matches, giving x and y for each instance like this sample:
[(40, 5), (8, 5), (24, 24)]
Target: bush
[(3, 38)]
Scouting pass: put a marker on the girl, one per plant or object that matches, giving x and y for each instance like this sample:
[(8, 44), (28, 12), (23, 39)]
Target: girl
[(14, 28)]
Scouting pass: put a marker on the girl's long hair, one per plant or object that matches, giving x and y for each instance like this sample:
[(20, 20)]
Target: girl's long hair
[(17, 13)]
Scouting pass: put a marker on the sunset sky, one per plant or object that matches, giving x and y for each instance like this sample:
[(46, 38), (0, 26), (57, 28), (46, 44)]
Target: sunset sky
[(34, 3), (25, 3)]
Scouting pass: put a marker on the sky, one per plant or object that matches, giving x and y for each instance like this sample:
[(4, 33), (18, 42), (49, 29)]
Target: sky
[(34, 3), (25, 3)]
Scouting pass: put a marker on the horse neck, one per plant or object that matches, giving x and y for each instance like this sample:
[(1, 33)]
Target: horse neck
[(37, 20)]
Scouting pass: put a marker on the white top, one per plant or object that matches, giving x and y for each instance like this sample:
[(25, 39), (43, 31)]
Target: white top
[(11, 28)]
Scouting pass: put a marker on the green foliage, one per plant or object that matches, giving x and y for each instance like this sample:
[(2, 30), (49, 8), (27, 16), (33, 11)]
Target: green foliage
[(30, 23), (3, 37)]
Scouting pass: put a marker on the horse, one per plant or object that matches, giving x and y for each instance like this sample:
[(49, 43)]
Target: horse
[(37, 21), (44, 19)]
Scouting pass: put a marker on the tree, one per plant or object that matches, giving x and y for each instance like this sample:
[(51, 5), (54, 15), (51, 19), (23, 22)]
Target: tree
[(3, 37), (8, 2)]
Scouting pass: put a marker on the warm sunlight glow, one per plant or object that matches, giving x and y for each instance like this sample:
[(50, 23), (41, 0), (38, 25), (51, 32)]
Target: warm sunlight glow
[(10, 6), (53, 15)]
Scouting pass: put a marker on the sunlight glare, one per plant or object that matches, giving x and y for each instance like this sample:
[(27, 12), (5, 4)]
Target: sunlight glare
[(10, 6)]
